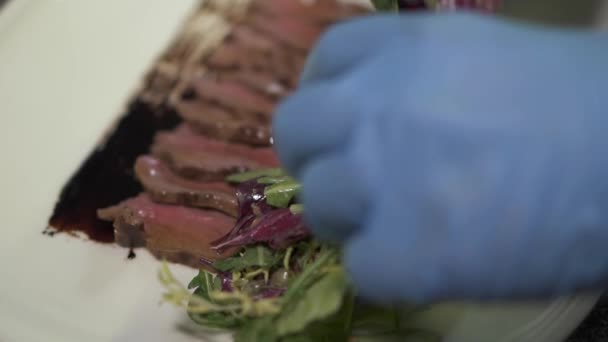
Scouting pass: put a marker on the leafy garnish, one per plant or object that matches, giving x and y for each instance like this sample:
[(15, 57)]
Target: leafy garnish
[(283, 286), (178, 295), (296, 209), (261, 330), (280, 194), (309, 275), (253, 256), (321, 300), (205, 280), (245, 176), (216, 301), (278, 229), (268, 180)]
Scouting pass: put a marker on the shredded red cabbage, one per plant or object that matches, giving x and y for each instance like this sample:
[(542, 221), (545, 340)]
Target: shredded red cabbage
[(279, 228), (226, 281), (259, 222)]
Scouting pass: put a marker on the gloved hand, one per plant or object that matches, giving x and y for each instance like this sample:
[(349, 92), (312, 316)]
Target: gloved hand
[(455, 156)]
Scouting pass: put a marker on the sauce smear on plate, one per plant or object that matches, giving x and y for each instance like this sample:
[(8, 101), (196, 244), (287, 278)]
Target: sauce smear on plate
[(106, 177)]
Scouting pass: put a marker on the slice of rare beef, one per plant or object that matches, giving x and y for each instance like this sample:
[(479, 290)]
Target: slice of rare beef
[(234, 56), (197, 157), (260, 82), (218, 123), (322, 11), (232, 94), (163, 186), (293, 31), (281, 55), (175, 233)]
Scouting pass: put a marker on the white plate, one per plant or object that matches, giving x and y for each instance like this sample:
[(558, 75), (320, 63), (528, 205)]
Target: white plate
[(66, 69)]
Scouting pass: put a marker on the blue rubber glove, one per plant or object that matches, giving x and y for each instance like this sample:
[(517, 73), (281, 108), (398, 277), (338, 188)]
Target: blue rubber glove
[(455, 156)]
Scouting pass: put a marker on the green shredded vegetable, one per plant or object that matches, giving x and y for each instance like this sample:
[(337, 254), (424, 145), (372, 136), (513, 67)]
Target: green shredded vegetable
[(245, 176), (281, 194)]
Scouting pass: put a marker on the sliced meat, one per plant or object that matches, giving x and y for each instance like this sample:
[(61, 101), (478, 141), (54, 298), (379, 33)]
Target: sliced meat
[(292, 31), (232, 55), (163, 186), (218, 123), (282, 55), (200, 158), (261, 82), (232, 94), (252, 39), (238, 57), (175, 233), (323, 11)]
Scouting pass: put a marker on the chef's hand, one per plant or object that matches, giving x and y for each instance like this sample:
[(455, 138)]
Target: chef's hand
[(455, 156)]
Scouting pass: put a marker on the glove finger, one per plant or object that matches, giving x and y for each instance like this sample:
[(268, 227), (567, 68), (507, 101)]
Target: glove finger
[(392, 258), (347, 44), (313, 121), (334, 198)]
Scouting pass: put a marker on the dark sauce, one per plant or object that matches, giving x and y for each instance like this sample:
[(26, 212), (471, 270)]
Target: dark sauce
[(131, 254), (106, 176)]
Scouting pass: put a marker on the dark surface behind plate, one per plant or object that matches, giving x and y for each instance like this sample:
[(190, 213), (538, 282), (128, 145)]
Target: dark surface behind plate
[(595, 326)]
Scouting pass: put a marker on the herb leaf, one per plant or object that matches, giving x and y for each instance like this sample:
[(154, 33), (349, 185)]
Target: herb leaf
[(260, 330), (196, 281), (215, 320), (321, 300), (259, 256), (296, 209), (204, 283), (280, 194), (274, 180), (308, 276), (245, 176)]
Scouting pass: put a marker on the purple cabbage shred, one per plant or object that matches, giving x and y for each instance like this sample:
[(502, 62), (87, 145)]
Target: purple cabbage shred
[(258, 222)]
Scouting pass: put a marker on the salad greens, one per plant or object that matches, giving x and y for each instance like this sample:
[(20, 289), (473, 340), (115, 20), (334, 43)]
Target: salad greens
[(280, 193), (245, 176), (259, 256), (296, 290)]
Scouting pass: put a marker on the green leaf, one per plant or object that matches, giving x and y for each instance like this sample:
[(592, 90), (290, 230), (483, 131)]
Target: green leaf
[(260, 330), (296, 208), (335, 328), (321, 300), (308, 276), (195, 282), (305, 251), (280, 194), (259, 256), (205, 282), (274, 180), (216, 320), (245, 176), (386, 5)]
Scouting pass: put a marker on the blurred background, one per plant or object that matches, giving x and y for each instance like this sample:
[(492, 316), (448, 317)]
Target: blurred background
[(559, 12)]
